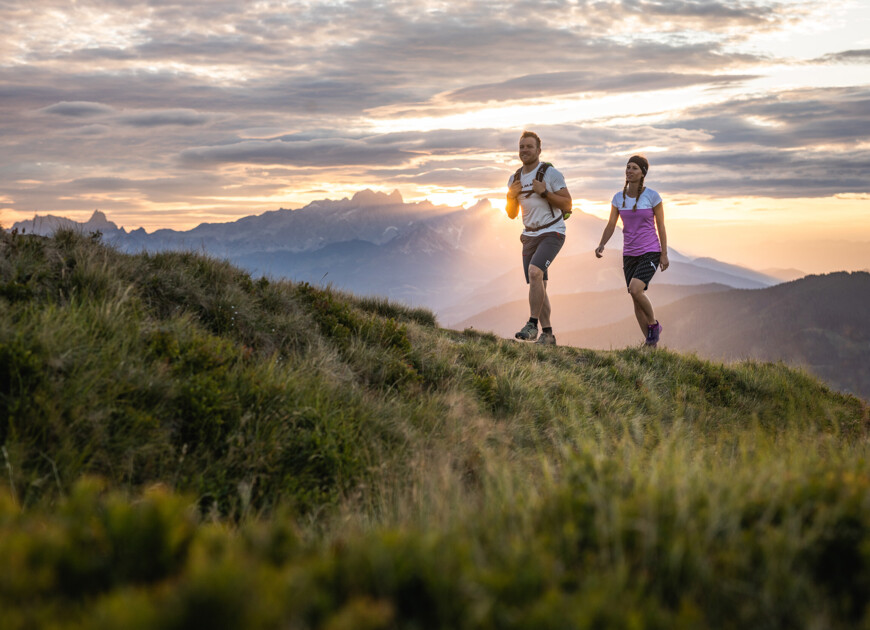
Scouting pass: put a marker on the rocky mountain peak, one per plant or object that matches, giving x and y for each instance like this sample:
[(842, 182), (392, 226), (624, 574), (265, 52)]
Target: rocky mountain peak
[(99, 220), (369, 197)]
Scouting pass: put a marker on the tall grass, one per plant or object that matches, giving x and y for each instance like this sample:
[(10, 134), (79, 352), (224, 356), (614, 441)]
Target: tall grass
[(186, 446)]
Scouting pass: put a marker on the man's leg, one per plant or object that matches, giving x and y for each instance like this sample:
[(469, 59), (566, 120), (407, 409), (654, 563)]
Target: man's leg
[(538, 253), (643, 308), (539, 305), (545, 309)]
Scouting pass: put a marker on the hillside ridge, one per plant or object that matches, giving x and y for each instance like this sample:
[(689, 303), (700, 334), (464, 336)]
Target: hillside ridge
[(184, 444), (815, 322)]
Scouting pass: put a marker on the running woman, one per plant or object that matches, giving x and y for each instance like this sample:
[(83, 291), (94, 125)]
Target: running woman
[(643, 250)]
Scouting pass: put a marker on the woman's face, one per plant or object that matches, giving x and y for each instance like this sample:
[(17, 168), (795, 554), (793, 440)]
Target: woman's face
[(633, 172)]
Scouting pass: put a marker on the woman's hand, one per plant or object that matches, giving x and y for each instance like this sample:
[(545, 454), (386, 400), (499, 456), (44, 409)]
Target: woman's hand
[(599, 251), (664, 263)]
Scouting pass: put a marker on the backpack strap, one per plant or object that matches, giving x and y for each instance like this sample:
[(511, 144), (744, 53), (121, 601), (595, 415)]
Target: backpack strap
[(539, 176), (518, 175), (541, 227), (542, 169)]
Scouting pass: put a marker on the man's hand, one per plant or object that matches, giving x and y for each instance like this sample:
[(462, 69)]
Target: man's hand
[(539, 187), (599, 251), (512, 207)]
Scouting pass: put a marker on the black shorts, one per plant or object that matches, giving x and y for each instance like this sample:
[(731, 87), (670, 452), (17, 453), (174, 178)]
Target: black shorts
[(642, 267), (540, 251)]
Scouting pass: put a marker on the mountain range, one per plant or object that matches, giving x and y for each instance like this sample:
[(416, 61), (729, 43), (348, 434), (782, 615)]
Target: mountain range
[(464, 264), (457, 261), (818, 322)]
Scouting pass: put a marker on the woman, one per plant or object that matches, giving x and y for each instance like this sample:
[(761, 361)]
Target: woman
[(644, 249)]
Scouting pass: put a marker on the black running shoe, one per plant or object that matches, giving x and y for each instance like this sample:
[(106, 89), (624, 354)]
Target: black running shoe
[(528, 333)]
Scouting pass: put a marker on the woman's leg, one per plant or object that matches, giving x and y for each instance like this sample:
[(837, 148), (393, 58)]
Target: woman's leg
[(643, 308)]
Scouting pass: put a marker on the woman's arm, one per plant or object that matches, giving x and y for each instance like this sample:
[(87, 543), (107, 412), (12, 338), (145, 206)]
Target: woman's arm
[(608, 231), (663, 235)]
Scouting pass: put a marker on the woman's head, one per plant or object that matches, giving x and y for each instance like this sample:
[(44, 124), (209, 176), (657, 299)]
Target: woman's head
[(635, 172), (639, 162)]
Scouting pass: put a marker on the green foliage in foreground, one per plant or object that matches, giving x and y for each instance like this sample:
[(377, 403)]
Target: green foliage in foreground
[(686, 545), (185, 446)]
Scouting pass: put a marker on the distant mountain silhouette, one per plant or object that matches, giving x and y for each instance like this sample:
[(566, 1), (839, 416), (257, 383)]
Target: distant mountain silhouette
[(49, 224), (584, 273), (457, 261), (784, 275), (818, 322), (577, 310)]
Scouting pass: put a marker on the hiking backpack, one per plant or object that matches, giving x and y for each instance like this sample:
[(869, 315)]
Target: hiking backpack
[(539, 176)]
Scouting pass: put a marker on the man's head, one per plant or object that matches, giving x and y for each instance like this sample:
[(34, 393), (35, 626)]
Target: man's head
[(530, 147)]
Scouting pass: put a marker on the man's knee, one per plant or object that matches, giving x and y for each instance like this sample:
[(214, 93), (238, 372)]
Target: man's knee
[(536, 274)]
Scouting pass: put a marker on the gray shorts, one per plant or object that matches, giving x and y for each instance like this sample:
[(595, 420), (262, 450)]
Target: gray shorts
[(540, 251)]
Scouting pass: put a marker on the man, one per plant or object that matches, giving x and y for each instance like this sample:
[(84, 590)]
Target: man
[(542, 203)]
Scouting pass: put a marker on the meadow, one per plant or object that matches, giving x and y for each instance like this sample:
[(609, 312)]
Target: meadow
[(186, 446)]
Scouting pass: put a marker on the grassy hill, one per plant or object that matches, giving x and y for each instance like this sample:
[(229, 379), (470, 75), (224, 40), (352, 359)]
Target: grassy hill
[(186, 447), (817, 322)]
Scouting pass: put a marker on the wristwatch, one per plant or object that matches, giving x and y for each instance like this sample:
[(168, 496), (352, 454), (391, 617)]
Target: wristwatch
[(544, 194)]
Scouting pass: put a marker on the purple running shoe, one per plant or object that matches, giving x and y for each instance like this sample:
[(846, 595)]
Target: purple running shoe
[(653, 334)]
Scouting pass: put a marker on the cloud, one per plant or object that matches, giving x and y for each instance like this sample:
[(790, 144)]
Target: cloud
[(142, 118), (321, 153), (168, 100), (794, 119), (78, 109), (89, 130), (712, 13), (860, 56), (560, 83), (184, 117)]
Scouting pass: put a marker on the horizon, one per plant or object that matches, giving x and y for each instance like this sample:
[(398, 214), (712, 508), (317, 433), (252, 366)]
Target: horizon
[(755, 117), (771, 269)]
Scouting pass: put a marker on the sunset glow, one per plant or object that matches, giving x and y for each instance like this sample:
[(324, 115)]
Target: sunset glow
[(755, 116)]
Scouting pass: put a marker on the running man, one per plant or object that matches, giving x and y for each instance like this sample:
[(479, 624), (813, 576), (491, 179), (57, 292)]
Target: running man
[(643, 251), (540, 190)]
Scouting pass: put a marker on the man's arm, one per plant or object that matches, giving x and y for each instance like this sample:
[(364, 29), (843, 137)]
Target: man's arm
[(512, 207), (560, 199)]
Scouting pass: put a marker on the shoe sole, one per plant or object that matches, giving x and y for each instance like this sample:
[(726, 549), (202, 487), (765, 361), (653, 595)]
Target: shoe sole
[(540, 342)]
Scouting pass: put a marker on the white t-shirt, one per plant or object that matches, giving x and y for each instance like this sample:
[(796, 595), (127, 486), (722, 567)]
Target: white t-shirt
[(536, 210), (638, 226), (648, 199)]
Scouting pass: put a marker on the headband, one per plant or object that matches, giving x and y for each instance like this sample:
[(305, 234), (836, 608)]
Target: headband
[(641, 162)]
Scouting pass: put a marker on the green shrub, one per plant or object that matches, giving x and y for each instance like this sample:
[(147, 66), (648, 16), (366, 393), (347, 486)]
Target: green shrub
[(323, 460)]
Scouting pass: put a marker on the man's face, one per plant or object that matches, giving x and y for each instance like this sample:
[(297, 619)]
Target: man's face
[(529, 150)]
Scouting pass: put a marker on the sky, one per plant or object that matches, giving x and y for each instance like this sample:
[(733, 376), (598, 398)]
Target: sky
[(754, 114)]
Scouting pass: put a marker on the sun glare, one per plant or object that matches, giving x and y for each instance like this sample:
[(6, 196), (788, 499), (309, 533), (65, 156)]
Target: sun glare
[(554, 111), (442, 197)]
